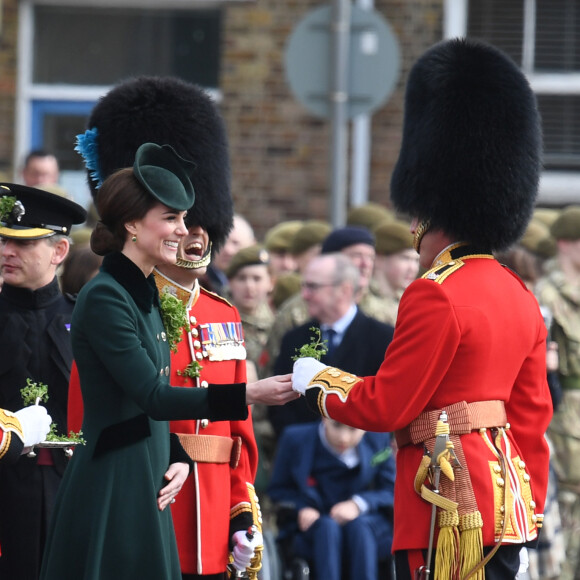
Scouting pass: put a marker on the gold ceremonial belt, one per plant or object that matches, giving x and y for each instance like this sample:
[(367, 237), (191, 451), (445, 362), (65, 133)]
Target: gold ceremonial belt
[(463, 418), (210, 448)]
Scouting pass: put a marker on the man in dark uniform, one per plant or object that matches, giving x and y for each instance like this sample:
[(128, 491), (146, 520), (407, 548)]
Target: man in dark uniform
[(463, 383), (35, 344)]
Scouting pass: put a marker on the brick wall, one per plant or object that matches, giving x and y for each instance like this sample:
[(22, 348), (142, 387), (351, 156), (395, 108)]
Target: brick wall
[(280, 152), (8, 72)]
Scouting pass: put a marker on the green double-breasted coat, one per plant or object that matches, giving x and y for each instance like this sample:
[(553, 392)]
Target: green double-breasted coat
[(107, 525)]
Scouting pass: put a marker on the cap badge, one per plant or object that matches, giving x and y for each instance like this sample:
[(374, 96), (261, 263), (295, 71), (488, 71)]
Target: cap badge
[(11, 210)]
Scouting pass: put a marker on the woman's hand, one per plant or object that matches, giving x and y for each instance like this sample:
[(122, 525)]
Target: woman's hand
[(275, 390), (176, 476)]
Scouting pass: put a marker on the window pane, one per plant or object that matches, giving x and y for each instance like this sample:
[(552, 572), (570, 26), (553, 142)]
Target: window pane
[(561, 127), (499, 22), (90, 46), (60, 133), (557, 38)]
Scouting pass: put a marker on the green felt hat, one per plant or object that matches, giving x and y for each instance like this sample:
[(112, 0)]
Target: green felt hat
[(165, 175)]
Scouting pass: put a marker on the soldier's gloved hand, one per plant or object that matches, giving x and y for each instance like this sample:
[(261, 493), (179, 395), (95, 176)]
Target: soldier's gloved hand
[(305, 369), (244, 548), (35, 422)]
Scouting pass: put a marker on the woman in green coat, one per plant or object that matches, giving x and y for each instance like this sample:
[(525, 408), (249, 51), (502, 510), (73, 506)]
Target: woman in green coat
[(108, 524)]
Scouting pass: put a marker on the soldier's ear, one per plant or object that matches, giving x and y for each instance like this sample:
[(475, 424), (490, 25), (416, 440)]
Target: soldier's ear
[(61, 249)]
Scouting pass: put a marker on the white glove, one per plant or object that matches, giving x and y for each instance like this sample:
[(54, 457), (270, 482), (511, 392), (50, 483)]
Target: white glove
[(35, 422), (304, 371), (244, 548)]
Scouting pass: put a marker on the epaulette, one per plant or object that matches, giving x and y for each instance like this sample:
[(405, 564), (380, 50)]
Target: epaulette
[(217, 296), (441, 272)]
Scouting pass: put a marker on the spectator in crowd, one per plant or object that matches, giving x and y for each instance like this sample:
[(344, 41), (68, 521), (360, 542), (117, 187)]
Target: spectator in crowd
[(285, 287), (40, 168), (338, 481), (250, 285), (330, 286), (463, 383), (79, 267), (240, 236), (278, 242), (35, 344), (559, 292), (396, 264)]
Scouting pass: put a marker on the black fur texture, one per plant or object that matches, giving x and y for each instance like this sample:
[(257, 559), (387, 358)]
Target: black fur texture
[(167, 110), (470, 159)]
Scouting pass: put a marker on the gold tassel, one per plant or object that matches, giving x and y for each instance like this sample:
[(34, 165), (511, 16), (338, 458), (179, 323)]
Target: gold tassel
[(447, 553), (471, 545)]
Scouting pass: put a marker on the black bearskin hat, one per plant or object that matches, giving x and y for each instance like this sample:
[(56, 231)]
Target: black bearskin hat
[(470, 159), (167, 111)]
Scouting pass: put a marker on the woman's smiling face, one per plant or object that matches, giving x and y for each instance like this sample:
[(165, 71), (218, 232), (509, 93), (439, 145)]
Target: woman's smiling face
[(158, 234)]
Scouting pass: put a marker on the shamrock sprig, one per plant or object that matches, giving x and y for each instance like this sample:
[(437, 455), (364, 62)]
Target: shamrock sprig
[(7, 203), (192, 370), (34, 392), (174, 316), (316, 348)]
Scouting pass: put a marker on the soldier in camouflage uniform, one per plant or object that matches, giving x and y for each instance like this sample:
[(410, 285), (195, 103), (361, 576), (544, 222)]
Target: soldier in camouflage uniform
[(277, 241), (250, 283), (560, 292), (396, 264)]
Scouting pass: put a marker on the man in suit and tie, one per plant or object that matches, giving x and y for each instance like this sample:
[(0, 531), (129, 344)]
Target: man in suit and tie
[(330, 286)]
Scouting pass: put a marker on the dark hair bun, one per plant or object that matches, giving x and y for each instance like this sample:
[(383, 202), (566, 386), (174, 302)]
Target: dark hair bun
[(102, 240)]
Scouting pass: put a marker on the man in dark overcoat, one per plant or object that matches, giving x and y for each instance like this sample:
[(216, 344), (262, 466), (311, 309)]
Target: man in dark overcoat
[(35, 344)]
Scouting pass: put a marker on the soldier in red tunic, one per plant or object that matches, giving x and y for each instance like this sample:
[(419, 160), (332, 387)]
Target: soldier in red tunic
[(217, 504), (463, 383)]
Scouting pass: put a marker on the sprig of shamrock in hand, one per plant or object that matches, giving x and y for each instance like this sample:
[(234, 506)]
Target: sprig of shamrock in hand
[(33, 392), (316, 348)]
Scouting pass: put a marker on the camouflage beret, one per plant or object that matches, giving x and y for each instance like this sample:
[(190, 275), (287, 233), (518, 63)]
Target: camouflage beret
[(279, 238), (547, 248), (286, 286), (546, 215), (534, 234), (567, 225), (393, 236), (311, 232), (368, 215), (255, 255)]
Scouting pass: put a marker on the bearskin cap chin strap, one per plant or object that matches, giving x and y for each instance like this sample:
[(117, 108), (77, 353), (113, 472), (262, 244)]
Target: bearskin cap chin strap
[(203, 262)]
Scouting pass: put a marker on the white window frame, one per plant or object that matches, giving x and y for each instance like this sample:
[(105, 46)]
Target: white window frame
[(27, 91), (556, 187)]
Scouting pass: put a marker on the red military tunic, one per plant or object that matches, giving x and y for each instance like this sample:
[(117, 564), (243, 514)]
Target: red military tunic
[(214, 493), (468, 330)]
